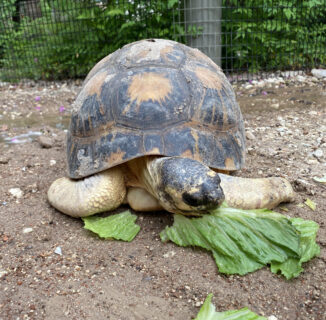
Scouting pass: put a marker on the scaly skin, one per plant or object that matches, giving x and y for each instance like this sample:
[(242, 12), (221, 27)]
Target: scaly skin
[(247, 193), (101, 192), (176, 184)]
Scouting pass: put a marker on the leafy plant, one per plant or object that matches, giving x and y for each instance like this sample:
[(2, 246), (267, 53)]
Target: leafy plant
[(269, 35), (70, 36)]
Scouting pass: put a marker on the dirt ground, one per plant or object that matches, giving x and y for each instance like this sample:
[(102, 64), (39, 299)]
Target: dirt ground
[(146, 279)]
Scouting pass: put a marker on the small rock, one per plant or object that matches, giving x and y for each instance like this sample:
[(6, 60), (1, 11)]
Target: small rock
[(260, 84), (16, 192), (269, 152), (58, 251), (319, 73), (45, 142), (3, 273), (301, 78), (251, 151), (275, 105), (311, 161), (4, 160), (271, 318), (169, 254), (32, 188), (318, 153), (250, 135), (272, 152), (27, 230), (52, 162)]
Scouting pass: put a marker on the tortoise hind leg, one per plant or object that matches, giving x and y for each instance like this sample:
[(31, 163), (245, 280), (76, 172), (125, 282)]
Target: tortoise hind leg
[(101, 192)]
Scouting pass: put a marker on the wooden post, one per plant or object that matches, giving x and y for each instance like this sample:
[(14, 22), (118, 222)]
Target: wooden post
[(205, 17)]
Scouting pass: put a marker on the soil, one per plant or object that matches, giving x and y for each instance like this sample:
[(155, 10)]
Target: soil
[(147, 279)]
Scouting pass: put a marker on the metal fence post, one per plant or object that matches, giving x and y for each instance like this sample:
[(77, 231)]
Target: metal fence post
[(205, 17)]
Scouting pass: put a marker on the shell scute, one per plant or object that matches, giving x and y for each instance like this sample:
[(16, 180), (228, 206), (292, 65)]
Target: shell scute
[(149, 98), (153, 144), (163, 53)]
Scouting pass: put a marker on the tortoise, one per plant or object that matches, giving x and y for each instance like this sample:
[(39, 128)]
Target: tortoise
[(156, 125)]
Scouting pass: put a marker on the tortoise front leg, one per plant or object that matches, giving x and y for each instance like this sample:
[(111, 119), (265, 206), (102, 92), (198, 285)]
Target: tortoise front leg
[(101, 192), (256, 193)]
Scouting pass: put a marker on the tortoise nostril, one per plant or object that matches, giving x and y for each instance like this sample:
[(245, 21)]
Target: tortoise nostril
[(191, 199)]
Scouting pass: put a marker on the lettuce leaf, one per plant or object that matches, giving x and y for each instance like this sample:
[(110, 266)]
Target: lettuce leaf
[(208, 312), (243, 241), (118, 226), (308, 247)]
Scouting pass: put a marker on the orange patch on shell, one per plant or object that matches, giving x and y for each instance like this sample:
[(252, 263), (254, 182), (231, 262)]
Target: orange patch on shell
[(116, 157), (101, 109), (229, 164), (186, 154), (154, 151), (95, 83), (149, 86), (190, 155), (209, 78)]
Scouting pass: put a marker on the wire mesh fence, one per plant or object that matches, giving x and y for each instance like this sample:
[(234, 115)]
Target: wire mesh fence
[(253, 38), (55, 39)]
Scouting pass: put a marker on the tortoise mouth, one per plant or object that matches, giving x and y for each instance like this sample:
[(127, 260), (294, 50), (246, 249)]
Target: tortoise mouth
[(200, 210), (204, 201), (203, 198)]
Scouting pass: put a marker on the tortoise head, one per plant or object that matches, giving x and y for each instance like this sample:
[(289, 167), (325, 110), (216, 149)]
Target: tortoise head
[(187, 186)]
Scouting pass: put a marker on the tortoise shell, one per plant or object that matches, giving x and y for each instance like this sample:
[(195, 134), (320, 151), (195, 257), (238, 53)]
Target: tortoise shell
[(155, 97)]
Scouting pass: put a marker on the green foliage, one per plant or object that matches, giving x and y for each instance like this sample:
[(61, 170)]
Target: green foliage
[(71, 36), (269, 35), (68, 37)]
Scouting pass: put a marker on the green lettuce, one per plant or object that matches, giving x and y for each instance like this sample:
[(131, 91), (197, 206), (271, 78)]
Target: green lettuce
[(208, 312), (308, 248), (243, 241), (118, 226)]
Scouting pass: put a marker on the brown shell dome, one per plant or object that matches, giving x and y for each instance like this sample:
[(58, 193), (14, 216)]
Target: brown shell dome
[(155, 97)]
